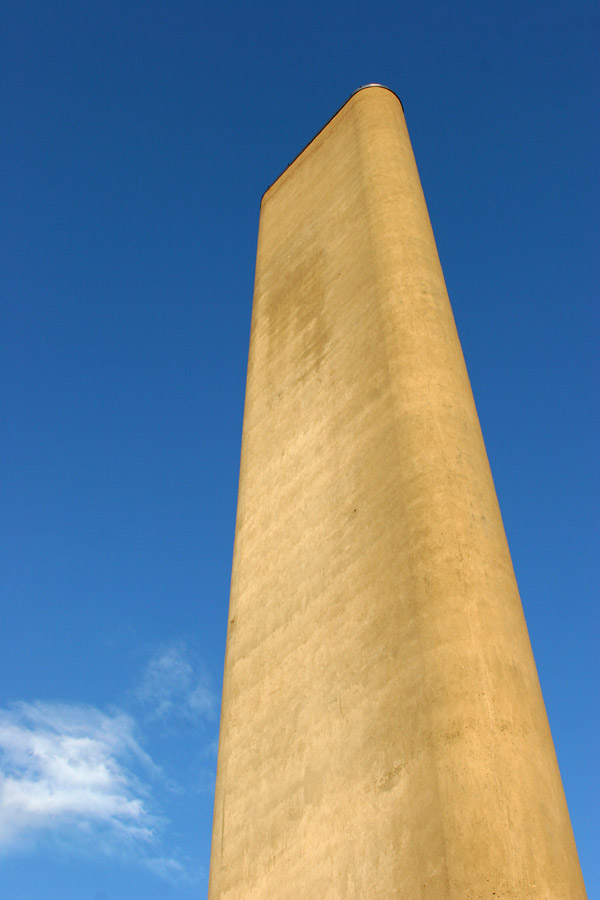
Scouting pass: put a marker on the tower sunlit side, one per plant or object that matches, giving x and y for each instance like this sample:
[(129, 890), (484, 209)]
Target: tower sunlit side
[(383, 733)]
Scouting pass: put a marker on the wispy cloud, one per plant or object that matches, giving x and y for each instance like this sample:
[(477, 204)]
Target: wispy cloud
[(75, 778), (72, 768), (173, 869), (173, 687)]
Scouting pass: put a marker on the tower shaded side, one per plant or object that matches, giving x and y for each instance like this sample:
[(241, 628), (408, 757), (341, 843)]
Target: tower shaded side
[(383, 733)]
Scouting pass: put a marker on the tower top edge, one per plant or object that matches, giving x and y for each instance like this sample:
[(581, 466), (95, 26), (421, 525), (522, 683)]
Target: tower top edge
[(358, 90)]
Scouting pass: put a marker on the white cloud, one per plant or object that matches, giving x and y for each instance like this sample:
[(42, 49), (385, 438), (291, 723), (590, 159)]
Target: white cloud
[(76, 779), (71, 769), (172, 687), (167, 868)]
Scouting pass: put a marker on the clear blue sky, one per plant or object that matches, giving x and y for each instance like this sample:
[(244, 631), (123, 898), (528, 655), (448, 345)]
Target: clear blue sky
[(138, 138)]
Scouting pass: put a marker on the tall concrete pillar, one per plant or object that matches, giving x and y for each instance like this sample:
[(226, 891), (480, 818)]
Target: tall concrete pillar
[(383, 733)]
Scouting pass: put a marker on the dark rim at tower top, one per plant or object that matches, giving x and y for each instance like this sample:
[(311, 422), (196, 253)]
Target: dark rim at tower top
[(363, 87)]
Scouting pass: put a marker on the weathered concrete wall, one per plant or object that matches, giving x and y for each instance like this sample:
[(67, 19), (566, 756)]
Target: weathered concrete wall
[(383, 734)]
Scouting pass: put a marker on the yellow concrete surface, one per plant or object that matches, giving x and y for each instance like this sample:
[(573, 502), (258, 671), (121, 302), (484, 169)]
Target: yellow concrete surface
[(383, 733)]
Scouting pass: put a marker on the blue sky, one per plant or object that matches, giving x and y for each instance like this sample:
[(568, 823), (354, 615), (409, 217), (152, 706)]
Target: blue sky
[(138, 138)]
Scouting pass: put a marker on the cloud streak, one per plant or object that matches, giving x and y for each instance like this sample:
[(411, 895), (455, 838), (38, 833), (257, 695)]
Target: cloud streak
[(72, 768), (75, 779), (171, 687)]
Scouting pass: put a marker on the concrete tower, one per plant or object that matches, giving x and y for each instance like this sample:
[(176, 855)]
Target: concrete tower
[(383, 733)]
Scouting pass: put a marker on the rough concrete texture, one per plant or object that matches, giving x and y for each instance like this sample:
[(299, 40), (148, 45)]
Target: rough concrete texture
[(383, 733)]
